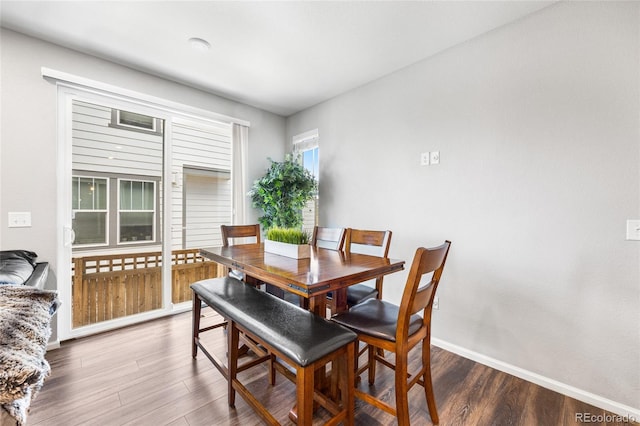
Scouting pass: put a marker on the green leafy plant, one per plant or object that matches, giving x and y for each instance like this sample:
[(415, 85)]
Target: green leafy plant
[(282, 193), (288, 235)]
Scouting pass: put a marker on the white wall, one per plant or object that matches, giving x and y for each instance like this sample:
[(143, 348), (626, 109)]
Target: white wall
[(28, 131), (537, 125)]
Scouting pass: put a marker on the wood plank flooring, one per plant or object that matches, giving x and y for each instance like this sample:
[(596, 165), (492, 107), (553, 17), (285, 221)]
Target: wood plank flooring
[(144, 375)]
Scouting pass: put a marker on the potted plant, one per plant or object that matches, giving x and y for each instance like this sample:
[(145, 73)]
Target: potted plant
[(282, 193), (290, 242)]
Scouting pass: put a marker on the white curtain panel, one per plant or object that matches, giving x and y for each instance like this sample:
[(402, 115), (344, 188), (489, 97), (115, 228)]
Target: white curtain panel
[(239, 141)]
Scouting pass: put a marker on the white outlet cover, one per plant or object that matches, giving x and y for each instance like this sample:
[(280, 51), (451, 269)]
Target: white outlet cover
[(633, 230), (434, 158), (19, 219)]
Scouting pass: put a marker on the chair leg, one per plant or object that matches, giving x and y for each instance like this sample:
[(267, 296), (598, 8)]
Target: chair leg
[(233, 340), (428, 384), (347, 381), (356, 362), (195, 323), (402, 390), (371, 355), (272, 369)]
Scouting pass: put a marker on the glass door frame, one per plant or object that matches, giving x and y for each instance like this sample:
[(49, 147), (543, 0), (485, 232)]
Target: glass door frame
[(69, 87), (66, 96)]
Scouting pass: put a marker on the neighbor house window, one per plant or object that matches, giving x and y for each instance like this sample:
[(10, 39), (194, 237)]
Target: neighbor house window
[(112, 211), (90, 210), (134, 121), (136, 211)]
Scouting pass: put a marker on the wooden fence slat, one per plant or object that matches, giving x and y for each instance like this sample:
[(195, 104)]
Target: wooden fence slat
[(113, 286), (120, 302), (129, 285)]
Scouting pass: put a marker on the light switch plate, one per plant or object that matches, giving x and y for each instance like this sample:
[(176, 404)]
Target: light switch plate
[(434, 157), (19, 219), (424, 159), (633, 230)]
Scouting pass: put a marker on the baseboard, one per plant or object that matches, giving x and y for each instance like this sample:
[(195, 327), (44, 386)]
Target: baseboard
[(554, 385), (53, 345)]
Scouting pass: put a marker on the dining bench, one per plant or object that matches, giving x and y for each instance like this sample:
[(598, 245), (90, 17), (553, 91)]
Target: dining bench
[(276, 330)]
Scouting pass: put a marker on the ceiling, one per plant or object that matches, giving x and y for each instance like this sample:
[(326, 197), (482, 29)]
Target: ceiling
[(279, 56)]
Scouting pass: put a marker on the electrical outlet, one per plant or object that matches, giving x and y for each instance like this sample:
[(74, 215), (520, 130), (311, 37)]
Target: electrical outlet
[(434, 158), (424, 159), (436, 302)]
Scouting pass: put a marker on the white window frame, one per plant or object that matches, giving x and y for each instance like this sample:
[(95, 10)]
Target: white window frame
[(107, 211), (116, 122), (119, 241)]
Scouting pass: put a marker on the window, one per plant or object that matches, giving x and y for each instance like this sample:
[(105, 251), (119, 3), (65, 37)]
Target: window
[(109, 211), (310, 161), (136, 211), (90, 210), (306, 145), (136, 122)]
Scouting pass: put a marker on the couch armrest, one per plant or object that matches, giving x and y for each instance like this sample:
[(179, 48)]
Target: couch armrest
[(38, 278)]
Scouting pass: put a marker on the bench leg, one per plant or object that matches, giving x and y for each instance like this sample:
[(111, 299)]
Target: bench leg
[(197, 306), (233, 339), (304, 395)]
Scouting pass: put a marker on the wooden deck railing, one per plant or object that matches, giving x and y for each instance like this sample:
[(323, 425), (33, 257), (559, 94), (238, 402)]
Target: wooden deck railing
[(113, 286)]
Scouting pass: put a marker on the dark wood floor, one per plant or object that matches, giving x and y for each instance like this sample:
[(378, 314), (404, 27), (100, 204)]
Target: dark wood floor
[(144, 375)]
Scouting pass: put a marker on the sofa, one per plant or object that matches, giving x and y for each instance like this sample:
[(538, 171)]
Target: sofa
[(20, 267), (26, 310)]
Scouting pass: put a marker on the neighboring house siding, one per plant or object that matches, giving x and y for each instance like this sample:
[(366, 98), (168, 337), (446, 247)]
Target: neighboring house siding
[(94, 142), (203, 149), (202, 161), (309, 215), (207, 205)]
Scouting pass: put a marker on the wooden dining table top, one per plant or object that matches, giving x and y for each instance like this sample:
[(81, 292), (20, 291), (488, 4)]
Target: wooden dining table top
[(312, 278)]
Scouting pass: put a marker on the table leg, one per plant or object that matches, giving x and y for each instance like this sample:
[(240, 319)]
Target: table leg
[(340, 300), (318, 305)]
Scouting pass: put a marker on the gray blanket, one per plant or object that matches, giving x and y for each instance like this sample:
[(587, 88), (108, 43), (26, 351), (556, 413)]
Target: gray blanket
[(25, 328)]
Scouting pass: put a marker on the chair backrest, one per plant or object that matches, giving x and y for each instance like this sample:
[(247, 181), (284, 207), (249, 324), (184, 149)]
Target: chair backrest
[(239, 231), (374, 243), (417, 297), (329, 238)]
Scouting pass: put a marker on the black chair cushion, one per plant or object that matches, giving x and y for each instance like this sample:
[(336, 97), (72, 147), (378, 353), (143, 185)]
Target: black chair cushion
[(358, 293), (297, 333), (376, 318)]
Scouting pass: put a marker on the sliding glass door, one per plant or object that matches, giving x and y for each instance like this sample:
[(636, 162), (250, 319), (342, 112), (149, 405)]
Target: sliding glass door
[(140, 191)]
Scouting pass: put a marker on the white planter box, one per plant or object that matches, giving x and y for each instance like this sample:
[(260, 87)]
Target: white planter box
[(295, 251)]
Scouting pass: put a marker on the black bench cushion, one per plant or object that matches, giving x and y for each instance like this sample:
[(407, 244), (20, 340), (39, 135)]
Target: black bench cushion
[(299, 334), (376, 318)]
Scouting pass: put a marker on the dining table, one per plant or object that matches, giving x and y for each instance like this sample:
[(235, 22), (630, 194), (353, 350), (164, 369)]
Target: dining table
[(325, 271)]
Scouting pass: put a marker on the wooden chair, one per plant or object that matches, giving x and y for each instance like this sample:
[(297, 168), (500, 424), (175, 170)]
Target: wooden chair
[(231, 234), (329, 238), (375, 243), (398, 329)]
